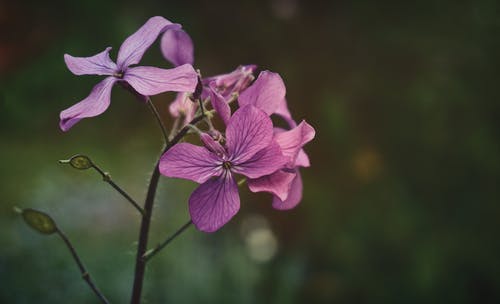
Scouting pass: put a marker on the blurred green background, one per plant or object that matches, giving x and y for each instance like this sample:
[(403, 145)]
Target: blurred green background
[(401, 204)]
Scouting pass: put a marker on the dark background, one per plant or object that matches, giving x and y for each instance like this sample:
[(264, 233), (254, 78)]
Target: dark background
[(401, 204)]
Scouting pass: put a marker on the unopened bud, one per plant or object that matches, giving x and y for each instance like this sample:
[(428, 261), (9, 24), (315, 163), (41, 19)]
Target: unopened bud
[(80, 162), (39, 221)]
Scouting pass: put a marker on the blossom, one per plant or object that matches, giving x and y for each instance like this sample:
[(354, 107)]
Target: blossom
[(249, 150), (286, 184), (145, 80), (268, 94)]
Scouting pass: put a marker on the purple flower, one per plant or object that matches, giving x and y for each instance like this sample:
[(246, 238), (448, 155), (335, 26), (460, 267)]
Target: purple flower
[(249, 150), (143, 79), (286, 184)]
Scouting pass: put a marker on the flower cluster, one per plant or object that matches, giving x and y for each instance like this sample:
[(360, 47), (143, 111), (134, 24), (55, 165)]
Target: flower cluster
[(249, 145)]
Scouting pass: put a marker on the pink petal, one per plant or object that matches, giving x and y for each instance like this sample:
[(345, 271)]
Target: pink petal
[(302, 159), (292, 141), (283, 111), (219, 104), (214, 203), (248, 131), (99, 64), (152, 80), (294, 196), (277, 183), (134, 47), (96, 103), (264, 162), (266, 93), (190, 162), (177, 47)]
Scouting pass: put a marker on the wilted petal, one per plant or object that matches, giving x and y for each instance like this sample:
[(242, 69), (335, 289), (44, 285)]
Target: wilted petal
[(292, 141), (277, 183), (134, 47), (248, 131), (99, 64), (266, 93), (264, 162), (190, 162), (302, 159), (214, 203), (219, 104), (177, 47), (152, 80), (294, 196), (96, 103)]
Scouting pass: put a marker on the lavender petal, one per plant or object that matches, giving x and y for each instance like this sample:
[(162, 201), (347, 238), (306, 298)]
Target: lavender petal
[(96, 103), (190, 162), (177, 47), (152, 80), (214, 203), (99, 64)]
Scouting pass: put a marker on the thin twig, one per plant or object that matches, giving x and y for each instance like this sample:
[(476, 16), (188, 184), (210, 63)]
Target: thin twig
[(83, 270), (107, 178), (158, 119), (152, 252)]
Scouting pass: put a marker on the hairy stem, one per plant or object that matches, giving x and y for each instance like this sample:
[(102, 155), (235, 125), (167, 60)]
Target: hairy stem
[(152, 252), (83, 270), (107, 178), (140, 263), (158, 119)]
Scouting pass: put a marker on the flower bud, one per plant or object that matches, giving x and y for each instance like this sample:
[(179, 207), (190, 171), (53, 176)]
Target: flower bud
[(39, 221)]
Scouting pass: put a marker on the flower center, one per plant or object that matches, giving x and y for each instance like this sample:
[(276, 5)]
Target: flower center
[(227, 165), (118, 74)]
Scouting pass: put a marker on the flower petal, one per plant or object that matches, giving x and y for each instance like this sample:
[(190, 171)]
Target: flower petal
[(96, 103), (99, 64), (152, 80), (266, 93), (177, 47), (214, 203), (294, 196), (248, 131), (283, 111), (277, 183), (292, 141), (190, 162), (134, 47), (302, 159), (219, 104), (264, 162)]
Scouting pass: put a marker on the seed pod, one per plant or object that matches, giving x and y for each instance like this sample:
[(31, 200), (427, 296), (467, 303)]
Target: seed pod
[(39, 221)]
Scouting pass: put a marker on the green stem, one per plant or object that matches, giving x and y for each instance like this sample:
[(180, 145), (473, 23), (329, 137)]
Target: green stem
[(83, 270), (152, 252), (158, 119), (107, 178)]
